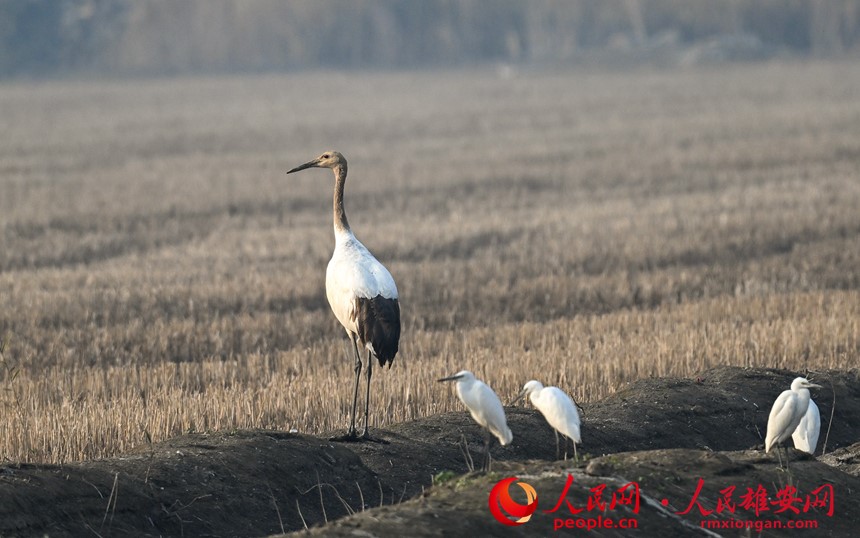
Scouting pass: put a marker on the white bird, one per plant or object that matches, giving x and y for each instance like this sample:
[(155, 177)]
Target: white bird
[(786, 413), (485, 407), (806, 435), (558, 409), (360, 290)]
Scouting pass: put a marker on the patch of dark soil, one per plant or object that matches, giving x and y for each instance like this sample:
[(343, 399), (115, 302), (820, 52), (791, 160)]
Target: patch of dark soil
[(846, 459), (459, 507), (195, 485), (255, 483)]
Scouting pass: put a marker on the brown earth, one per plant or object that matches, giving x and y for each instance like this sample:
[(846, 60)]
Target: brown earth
[(663, 434)]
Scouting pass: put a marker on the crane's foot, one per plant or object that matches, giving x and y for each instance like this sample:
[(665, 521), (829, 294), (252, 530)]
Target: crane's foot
[(354, 437), (370, 439), (350, 437)]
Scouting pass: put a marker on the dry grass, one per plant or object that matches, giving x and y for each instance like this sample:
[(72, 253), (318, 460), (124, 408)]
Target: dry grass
[(160, 274)]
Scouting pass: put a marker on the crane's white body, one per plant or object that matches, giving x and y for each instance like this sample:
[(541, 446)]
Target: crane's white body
[(484, 405), (806, 435), (354, 273), (787, 412)]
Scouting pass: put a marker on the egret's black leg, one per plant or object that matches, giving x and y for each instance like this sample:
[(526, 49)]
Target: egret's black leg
[(352, 434), (556, 444), (487, 457), (779, 456), (575, 457)]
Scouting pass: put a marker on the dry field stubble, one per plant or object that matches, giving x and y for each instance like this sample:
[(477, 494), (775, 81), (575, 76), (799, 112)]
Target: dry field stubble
[(159, 273)]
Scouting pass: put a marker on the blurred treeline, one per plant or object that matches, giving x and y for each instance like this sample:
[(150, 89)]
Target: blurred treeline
[(49, 37)]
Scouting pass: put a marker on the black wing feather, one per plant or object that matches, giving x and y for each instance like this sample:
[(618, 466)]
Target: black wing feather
[(379, 324)]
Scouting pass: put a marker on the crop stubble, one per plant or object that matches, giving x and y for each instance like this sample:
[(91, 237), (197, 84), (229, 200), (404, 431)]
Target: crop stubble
[(159, 273)]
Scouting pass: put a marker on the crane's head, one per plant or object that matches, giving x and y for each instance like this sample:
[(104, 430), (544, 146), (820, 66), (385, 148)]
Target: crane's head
[(329, 159), (803, 383), (463, 375), (528, 389)]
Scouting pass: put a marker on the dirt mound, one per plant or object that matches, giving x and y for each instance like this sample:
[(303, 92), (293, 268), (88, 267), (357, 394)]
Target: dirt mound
[(459, 507), (255, 483)]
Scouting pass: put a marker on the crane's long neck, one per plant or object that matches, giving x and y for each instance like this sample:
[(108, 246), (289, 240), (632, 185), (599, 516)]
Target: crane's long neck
[(340, 222)]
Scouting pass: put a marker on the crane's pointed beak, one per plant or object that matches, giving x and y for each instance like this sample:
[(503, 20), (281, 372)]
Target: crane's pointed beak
[(449, 378), (309, 164), (814, 386)]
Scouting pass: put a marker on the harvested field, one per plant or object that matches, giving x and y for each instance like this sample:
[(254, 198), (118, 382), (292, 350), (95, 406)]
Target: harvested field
[(160, 275)]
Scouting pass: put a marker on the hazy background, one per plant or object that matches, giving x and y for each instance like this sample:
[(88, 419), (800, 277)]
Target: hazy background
[(591, 192), (134, 37)]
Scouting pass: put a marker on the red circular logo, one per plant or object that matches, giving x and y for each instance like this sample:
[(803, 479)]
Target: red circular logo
[(508, 511)]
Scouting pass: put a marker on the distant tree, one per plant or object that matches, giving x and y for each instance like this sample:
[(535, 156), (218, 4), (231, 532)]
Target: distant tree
[(825, 33), (30, 36), (173, 36)]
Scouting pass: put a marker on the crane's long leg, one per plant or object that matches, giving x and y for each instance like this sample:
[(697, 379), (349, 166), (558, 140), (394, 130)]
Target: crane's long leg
[(352, 431), (556, 444), (366, 434), (367, 394), (352, 434)]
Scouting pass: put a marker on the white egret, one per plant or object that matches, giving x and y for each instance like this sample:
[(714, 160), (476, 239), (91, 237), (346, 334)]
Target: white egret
[(559, 411), (361, 292), (786, 413), (485, 407), (805, 437)]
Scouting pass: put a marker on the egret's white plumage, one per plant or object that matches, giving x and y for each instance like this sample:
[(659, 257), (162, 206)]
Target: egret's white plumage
[(787, 412), (484, 406), (360, 290), (557, 408), (806, 435)]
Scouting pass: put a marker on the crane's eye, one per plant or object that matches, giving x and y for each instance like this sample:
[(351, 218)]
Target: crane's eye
[(325, 156)]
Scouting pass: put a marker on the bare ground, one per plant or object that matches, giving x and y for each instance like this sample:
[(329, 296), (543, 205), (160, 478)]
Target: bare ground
[(662, 433)]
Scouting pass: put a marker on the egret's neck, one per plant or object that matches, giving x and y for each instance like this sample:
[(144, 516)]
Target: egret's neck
[(463, 387), (340, 223), (803, 396)]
